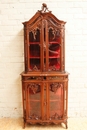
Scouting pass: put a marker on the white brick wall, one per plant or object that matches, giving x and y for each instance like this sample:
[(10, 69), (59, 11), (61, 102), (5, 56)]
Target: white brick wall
[(12, 14)]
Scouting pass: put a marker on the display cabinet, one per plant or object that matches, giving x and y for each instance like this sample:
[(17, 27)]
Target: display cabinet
[(44, 80)]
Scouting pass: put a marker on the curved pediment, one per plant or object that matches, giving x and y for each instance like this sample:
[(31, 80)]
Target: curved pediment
[(44, 14)]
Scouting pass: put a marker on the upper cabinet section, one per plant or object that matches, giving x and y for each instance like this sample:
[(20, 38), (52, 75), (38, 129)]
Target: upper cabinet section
[(44, 44)]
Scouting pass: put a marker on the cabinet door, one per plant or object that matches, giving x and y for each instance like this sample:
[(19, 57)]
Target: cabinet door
[(54, 49), (33, 101), (57, 100), (55, 46), (34, 49)]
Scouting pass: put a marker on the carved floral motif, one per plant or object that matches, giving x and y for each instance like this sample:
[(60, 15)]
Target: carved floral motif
[(35, 30), (35, 68), (56, 32), (54, 77), (56, 116), (52, 68), (34, 117), (55, 86), (34, 78), (34, 88)]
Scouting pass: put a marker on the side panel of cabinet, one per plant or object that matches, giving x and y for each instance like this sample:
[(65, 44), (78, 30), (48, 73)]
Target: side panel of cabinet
[(26, 48)]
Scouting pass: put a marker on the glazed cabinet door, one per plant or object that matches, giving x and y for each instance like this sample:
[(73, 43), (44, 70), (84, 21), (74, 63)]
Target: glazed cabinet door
[(34, 54), (57, 100), (32, 101), (33, 47), (35, 99), (54, 49), (55, 46)]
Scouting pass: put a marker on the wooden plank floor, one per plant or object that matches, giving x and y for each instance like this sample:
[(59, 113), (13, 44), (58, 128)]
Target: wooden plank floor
[(17, 123)]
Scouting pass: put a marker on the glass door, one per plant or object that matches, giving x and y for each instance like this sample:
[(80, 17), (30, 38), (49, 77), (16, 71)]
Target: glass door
[(34, 61), (33, 103), (56, 101), (54, 49)]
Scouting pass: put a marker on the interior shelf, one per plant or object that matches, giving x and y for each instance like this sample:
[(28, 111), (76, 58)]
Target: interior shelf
[(54, 42), (34, 42), (34, 57)]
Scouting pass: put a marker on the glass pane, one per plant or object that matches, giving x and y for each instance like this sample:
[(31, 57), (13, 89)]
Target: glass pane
[(54, 49), (34, 50), (34, 102), (56, 101)]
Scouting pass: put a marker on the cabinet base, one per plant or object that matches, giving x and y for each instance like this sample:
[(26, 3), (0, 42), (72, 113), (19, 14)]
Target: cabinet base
[(45, 123)]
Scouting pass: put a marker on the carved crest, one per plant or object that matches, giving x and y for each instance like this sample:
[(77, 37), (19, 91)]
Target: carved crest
[(44, 8)]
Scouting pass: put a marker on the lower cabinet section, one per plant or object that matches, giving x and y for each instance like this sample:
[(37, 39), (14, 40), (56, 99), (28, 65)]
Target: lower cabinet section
[(45, 98)]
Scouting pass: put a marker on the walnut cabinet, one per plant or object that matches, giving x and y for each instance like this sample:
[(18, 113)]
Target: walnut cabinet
[(44, 80)]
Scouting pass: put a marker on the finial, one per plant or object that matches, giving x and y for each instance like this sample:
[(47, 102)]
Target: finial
[(44, 8)]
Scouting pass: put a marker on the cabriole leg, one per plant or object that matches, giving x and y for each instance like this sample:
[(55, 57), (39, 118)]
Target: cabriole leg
[(24, 123)]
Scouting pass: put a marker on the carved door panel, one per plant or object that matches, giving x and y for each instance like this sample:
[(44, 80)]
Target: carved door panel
[(56, 101), (33, 103)]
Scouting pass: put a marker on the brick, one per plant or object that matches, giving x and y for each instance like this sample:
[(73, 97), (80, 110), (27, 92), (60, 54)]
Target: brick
[(74, 10), (4, 6), (9, 1), (80, 4), (80, 16), (9, 22), (8, 11)]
